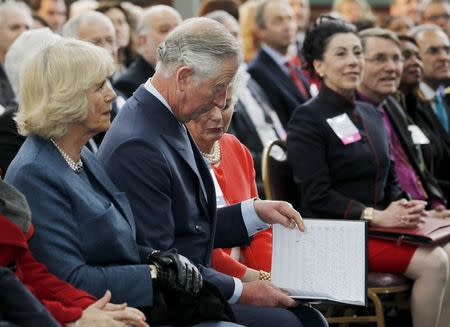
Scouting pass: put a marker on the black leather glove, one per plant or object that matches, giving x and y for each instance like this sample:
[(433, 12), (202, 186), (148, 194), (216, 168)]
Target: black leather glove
[(175, 272)]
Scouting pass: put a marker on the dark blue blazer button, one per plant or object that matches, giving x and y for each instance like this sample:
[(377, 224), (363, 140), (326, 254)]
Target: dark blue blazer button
[(198, 228)]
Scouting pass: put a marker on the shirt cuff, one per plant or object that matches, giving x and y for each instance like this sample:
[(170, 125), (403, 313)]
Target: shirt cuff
[(238, 287), (251, 219)]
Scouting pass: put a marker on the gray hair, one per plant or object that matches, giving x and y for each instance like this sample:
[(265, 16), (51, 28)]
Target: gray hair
[(23, 48), (72, 26), (415, 31), (4, 7), (200, 43)]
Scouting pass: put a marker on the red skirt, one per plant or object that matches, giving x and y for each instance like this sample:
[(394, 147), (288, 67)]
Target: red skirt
[(387, 256)]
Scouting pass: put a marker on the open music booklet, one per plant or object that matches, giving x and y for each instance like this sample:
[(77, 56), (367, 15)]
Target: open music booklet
[(327, 262)]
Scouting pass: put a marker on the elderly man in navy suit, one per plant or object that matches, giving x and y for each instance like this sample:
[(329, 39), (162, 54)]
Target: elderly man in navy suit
[(149, 153)]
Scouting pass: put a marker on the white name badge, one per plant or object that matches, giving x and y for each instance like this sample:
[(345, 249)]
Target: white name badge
[(418, 137), (344, 128)]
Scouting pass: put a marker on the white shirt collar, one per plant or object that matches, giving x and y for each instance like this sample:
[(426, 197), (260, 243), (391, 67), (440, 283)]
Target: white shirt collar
[(427, 91)]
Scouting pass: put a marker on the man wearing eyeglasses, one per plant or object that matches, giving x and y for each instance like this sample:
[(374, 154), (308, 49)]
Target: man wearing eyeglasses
[(381, 78), (434, 50), (437, 12)]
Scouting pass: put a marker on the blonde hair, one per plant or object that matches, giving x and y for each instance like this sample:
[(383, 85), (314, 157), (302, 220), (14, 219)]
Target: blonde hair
[(54, 84)]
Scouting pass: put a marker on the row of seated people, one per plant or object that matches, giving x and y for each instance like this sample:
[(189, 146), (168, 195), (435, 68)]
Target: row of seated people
[(85, 230)]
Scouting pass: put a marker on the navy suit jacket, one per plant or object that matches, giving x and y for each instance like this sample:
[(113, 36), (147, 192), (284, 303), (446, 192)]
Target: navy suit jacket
[(81, 238), (151, 157), (278, 87)]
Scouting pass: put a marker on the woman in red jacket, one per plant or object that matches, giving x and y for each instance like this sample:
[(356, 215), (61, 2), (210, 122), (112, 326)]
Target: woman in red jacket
[(232, 170), (66, 303)]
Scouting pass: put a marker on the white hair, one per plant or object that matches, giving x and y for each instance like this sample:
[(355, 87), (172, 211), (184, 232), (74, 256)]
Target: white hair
[(71, 27), (6, 6), (23, 48)]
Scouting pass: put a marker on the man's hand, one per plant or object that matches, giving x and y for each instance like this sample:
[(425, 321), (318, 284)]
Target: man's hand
[(176, 272), (265, 294), (279, 212)]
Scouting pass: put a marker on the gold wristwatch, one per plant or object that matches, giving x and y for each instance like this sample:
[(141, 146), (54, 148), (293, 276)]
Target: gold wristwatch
[(367, 214)]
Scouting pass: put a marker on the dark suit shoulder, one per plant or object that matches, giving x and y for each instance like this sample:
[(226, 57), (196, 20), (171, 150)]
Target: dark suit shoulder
[(137, 74)]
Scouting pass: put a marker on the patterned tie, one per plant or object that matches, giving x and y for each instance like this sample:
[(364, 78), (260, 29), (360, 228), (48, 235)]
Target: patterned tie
[(297, 78), (441, 111)]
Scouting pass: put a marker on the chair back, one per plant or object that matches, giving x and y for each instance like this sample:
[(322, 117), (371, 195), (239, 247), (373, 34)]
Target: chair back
[(277, 174)]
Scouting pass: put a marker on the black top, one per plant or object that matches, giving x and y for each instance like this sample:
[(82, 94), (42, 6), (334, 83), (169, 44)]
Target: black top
[(336, 180)]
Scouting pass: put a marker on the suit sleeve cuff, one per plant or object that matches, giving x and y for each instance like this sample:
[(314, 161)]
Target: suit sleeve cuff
[(251, 219), (237, 291)]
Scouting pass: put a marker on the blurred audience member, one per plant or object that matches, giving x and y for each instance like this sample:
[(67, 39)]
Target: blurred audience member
[(54, 12), (380, 80), (15, 18), (250, 41), (95, 28), (118, 16), (412, 101), (437, 12), (282, 81), (400, 25), (230, 6), (353, 10), (409, 8), (434, 50), (302, 13), (156, 22)]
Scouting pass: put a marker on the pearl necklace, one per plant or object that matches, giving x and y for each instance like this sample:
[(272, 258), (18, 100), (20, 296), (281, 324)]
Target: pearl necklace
[(75, 166), (214, 157)]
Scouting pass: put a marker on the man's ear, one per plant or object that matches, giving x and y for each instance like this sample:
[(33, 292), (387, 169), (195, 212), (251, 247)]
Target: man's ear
[(184, 75)]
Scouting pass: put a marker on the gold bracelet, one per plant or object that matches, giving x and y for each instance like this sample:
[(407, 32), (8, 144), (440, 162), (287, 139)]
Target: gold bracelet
[(264, 275)]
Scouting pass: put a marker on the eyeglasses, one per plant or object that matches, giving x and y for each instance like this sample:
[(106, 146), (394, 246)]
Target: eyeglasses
[(381, 59), (436, 50)]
